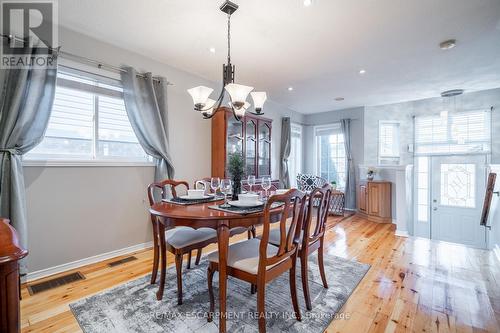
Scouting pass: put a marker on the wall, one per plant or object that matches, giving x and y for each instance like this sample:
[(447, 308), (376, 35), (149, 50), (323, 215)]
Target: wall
[(77, 212)]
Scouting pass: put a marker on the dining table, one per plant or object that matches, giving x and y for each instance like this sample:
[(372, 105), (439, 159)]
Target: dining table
[(170, 215)]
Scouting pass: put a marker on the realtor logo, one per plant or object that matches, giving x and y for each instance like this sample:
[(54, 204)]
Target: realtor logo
[(31, 27)]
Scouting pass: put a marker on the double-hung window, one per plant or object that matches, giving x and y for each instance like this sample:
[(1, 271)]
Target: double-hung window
[(88, 122), (330, 153), (295, 159), (388, 143)]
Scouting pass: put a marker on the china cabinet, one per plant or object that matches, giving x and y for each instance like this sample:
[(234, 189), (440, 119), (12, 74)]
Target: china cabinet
[(251, 136)]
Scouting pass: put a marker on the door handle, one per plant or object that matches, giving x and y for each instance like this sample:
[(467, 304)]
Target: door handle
[(434, 200), (435, 208)]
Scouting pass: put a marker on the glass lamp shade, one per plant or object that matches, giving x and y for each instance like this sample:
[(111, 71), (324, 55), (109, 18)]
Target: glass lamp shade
[(238, 94), (241, 111), (200, 96), (259, 97)]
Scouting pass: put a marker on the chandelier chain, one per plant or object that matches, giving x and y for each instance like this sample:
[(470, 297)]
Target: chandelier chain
[(229, 38)]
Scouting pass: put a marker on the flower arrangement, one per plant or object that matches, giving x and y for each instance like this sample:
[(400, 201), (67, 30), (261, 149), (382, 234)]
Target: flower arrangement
[(334, 184), (370, 173)]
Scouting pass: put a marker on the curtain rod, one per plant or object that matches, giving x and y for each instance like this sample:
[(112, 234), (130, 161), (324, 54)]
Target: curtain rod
[(98, 64)]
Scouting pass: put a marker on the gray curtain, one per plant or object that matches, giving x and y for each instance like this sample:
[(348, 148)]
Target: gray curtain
[(145, 102), (26, 102), (285, 151), (350, 179)]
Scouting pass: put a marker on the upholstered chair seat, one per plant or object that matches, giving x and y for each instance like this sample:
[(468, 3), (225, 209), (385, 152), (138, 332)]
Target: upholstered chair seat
[(184, 236), (245, 255)]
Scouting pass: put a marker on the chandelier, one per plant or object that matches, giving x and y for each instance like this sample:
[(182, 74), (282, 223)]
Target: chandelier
[(238, 93)]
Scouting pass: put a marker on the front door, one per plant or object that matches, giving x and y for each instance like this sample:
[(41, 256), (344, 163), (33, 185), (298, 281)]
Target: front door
[(457, 192)]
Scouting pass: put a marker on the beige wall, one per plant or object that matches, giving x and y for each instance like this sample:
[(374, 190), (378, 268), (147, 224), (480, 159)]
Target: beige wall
[(83, 211)]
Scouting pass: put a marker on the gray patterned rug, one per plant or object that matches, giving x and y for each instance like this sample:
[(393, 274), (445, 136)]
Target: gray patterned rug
[(132, 307)]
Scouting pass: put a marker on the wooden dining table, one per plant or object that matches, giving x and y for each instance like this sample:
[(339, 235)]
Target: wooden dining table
[(201, 216)]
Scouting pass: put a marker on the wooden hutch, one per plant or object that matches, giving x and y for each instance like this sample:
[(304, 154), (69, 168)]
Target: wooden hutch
[(374, 201), (251, 136)]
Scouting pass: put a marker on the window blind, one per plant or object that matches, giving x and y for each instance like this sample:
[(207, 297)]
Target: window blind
[(454, 133)]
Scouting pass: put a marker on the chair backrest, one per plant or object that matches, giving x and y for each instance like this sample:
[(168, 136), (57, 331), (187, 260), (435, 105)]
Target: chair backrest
[(257, 187), (204, 183), (293, 206), (162, 186), (308, 182), (317, 213)]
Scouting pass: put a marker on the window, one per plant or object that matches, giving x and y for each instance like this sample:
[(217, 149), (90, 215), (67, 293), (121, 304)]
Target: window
[(453, 133), (295, 159), (330, 153), (88, 122), (388, 143), (458, 185), (422, 188)]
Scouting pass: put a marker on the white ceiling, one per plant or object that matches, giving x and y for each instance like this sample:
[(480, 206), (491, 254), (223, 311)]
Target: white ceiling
[(318, 50)]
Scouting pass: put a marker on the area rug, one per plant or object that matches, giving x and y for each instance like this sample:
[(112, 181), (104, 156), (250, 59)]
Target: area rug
[(132, 307)]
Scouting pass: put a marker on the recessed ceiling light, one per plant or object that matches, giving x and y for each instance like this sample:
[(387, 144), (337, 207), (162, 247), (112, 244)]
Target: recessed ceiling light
[(448, 44), (212, 50), (290, 88), (339, 99), (362, 71), (307, 3)]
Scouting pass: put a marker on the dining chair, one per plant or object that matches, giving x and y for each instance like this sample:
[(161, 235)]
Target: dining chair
[(180, 240), (258, 262), (312, 237)]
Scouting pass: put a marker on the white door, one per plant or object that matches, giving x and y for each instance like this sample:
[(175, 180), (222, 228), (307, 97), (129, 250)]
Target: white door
[(457, 193)]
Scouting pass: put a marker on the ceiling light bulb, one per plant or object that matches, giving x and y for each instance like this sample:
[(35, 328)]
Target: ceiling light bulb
[(200, 96), (448, 44), (238, 94), (290, 88), (339, 99), (307, 3), (212, 50), (362, 71)]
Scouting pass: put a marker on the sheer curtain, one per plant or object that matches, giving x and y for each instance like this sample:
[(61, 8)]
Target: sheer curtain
[(285, 151), (146, 107), (350, 178), (26, 99)]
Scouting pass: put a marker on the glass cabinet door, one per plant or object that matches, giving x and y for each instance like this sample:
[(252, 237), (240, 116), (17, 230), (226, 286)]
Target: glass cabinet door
[(264, 149), (234, 136), (251, 147)]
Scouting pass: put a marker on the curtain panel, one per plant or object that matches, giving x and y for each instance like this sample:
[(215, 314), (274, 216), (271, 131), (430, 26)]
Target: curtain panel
[(285, 151), (26, 103), (145, 102), (350, 179)]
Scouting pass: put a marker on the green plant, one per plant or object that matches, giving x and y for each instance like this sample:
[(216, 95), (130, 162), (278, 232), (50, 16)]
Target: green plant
[(235, 168)]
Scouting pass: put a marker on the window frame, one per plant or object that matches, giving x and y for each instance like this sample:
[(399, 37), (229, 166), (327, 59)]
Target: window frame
[(95, 159), (390, 160), (297, 128), (336, 126)]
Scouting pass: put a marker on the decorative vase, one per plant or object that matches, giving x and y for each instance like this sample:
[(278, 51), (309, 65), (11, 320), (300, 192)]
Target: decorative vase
[(370, 176)]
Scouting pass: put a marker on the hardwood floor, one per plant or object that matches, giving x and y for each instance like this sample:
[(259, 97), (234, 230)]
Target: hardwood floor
[(414, 285)]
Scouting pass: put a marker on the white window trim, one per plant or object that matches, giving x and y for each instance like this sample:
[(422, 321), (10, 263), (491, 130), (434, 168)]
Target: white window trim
[(394, 158), (72, 67)]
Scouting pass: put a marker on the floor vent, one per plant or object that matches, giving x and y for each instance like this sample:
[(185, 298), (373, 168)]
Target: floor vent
[(54, 283), (121, 261)]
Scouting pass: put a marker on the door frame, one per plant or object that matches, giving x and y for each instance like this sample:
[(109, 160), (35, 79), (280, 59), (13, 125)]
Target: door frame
[(424, 229)]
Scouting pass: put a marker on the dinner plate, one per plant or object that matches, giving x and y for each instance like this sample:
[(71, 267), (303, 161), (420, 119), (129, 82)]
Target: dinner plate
[(186, 197), (245, 204)]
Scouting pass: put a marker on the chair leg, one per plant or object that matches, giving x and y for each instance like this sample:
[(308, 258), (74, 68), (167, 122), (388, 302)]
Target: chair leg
[(210, 276), (253, 231), (156, 252), (293, 291), (261, 298), (305, 283), (178, 266), (198, 256), (321, 264), (253, 289), (188, 266)]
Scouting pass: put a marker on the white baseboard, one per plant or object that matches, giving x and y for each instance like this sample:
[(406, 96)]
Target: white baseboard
[(83, 262), (402, 233)]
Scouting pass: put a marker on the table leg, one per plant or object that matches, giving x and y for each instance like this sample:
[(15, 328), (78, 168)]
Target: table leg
[(223, 243), (163, 256)]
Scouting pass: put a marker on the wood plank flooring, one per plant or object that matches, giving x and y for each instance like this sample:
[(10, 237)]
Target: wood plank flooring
[(414, 285)]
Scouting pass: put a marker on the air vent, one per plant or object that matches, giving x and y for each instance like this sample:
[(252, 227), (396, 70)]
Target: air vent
[(121, 261), (54, 283)]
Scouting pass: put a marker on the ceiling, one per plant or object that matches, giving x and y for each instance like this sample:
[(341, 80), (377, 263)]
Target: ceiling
[(318, 50)]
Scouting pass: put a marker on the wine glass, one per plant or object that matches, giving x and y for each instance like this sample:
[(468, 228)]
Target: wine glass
[(251, 182), (225, 187), (215, 184), (266, 183)]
